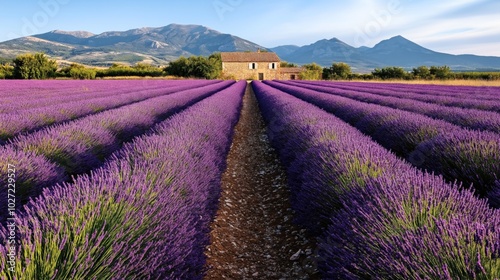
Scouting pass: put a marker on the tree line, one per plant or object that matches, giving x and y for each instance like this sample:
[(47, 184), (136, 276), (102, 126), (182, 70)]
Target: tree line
[(342, 71), (39, 66)]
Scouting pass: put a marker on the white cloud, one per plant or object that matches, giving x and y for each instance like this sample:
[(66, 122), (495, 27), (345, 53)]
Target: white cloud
[(484, 49)]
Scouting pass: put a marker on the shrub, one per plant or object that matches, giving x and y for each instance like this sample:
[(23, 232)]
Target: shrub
[(390, 73), (34, 66)]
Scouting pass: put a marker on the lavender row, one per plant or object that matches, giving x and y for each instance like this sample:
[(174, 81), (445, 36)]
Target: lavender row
[(144, 215), (81, 91), (469, 118), (31, 90), (22, 94), (480, 104), (376, 216), (462, 92), (28, 120), (43, 88), (458, 154), (79, 146)]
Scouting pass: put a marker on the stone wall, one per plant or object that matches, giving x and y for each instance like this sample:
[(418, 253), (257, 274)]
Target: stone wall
[(242, 71)]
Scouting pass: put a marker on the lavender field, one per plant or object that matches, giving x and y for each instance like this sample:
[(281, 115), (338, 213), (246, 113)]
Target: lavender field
[(122, 179), (358, 180)]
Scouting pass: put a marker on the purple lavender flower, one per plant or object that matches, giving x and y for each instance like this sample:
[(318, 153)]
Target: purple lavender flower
[(376, 216), (81, 145), (469, 156), (145, 214)]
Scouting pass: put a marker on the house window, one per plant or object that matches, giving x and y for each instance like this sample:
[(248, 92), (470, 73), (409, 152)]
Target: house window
[(273, 65), (252, 65)]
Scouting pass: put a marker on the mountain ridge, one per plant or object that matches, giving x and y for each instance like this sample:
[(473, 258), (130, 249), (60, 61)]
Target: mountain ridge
[(159, 45), (395, 51)]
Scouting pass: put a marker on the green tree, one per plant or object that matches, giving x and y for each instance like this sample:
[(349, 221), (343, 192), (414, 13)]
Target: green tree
[(390, 73), (338, 71), (196, 66), (34, 66), (312, 72), (78, 71), (215, 60), (139, 69), (116, 70), (6, 71), (440, 72), (179, 67), (145, 69), (421, 72), (199, 67)]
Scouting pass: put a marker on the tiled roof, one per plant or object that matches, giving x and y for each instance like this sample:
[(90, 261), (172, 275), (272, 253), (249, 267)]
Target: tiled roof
[(249, 57)]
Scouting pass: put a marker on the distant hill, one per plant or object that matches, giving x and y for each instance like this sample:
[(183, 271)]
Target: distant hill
[(163, 44), (156, 45), (285, 50), (396, 51)]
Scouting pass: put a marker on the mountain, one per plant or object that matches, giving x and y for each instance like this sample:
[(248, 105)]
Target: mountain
[(156, 45), (325, 52), (319, 52), (396, 51), (285, 50), (163, 44), (402, 52)]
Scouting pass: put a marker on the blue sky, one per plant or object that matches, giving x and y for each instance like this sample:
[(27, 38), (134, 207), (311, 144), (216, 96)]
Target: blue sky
[(452, 26)]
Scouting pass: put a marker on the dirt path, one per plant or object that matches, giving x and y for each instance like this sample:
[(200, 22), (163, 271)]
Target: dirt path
[(253, 236)]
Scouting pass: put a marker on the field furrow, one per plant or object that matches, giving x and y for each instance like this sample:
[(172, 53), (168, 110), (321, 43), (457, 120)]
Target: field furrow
[(253, 236)]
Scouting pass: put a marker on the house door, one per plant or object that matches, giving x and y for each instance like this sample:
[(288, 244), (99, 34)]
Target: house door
[(292, 77), (261, 76)]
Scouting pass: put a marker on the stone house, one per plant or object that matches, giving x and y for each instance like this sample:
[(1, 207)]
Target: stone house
[(290, 73), (254, 65)]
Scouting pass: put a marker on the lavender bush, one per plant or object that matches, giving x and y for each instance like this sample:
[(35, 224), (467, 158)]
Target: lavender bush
[(485, 98), (145, 214), (463, 92), (469, 118), (30, 94), (33, 173), (20, 119), (458, 154), (79, 146), (377, 216)]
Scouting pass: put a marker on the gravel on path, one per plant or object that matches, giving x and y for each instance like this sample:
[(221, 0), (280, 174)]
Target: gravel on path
[(252, 236)]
